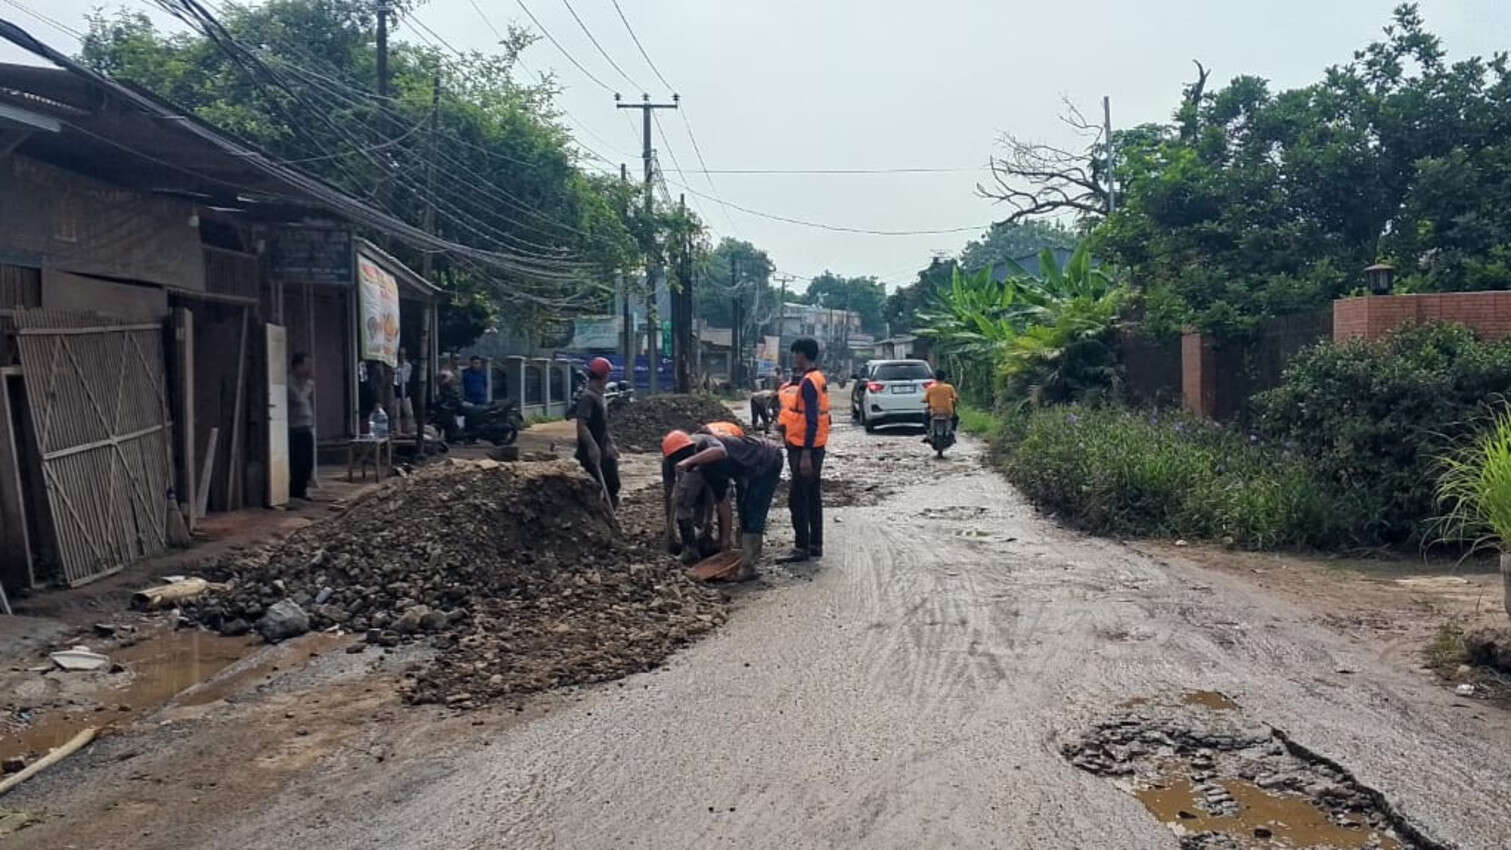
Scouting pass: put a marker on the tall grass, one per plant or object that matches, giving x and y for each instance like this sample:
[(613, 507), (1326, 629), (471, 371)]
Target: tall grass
[(1475, 488), (1121, 472)]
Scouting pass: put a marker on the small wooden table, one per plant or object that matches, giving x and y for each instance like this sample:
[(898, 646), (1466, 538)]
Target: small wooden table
[(368, 451)]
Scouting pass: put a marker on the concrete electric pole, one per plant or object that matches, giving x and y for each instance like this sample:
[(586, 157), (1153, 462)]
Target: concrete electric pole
[(651, 265)]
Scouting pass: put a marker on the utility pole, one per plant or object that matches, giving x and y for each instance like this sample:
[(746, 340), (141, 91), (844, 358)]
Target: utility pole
[(626, 316), (435, 106), (384, 10), (734, 321), (651, 266), (1107, 131), (682, 310), (781, 319)]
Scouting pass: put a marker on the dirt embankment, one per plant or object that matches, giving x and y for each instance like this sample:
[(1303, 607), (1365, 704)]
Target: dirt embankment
[(516, 574), (640, 425)]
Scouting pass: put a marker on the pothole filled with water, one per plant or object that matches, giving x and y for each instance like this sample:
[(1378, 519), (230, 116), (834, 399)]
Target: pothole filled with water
[(1221, 781)]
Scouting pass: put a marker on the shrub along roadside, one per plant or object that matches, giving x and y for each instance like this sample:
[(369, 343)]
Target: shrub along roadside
[(1372, 418), (1115, 471)]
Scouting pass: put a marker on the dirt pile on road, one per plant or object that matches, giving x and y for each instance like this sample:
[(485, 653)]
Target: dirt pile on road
[(639, 426), (513, 572)]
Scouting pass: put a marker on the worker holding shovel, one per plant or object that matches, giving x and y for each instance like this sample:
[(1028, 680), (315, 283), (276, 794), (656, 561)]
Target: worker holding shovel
[(595, 448), (702, 461)]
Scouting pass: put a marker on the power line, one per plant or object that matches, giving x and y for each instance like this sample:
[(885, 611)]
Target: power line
[(481, 14), (573, 59), (840, 170), (601, 51), (641, 48), (53, 22), (833, 227)]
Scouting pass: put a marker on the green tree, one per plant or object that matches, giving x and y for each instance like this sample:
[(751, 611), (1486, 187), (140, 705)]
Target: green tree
[(864, 295), (505, 178), (735, 269), (1255, 203), (1008, 240)]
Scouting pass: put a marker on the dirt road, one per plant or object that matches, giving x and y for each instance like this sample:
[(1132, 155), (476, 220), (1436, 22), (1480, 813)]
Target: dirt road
[(916, 693), (916, 690)]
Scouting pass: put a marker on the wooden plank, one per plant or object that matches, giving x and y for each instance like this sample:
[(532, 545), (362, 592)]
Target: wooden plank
[(15, 542), (206, 472), (86, 331), (112, 440), (183, 334), (233, 470)]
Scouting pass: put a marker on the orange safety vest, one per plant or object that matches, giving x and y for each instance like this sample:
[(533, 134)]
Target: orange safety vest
[(787, 398), (724, 429), (798, 426)]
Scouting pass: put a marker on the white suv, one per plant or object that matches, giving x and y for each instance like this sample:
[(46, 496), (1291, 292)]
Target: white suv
[(893, 393)]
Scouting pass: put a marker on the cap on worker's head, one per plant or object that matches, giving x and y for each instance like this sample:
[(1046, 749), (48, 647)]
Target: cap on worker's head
[(600, 367), (673, 442)]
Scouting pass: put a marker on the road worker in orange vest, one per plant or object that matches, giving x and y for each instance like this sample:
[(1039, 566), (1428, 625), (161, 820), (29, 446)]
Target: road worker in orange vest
[(806, 433)]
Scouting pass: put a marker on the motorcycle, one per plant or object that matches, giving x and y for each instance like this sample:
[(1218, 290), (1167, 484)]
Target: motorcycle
[(498, 422), (616, 394), (941, 434)]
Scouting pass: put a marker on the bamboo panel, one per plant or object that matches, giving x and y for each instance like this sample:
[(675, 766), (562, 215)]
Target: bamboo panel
[(98, 406)]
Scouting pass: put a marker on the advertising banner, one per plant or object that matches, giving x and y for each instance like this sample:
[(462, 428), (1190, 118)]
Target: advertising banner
[(378, 299)]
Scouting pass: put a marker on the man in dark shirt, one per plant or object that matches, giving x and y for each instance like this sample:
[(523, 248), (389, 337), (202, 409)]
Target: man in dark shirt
[(706, 466), (595, 448), (475, 382)]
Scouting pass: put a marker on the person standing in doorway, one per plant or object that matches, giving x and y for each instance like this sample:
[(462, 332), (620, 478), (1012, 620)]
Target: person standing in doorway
[(301, 424), (402, 414), (475, 382), (806, 434), (595, 447)]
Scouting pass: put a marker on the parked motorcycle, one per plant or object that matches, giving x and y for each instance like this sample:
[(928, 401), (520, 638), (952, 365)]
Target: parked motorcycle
[(616, 395), (498, 422), (941, 433)]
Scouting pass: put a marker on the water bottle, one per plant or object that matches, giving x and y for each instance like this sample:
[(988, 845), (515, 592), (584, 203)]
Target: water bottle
[(378, 425)]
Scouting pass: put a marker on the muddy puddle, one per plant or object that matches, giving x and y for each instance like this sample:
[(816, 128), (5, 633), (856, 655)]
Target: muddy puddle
[(1221, 781), (143, 676)]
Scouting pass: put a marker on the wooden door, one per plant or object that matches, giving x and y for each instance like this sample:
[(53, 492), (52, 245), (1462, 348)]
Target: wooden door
[(99, 410), (278, 415)]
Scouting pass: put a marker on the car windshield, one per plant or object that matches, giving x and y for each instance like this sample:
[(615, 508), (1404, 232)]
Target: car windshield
[(911, 371)]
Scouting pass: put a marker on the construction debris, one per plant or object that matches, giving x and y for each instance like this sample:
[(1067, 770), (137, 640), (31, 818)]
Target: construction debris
[(177, 589), (79, 658), (514, 573), (640, 425)]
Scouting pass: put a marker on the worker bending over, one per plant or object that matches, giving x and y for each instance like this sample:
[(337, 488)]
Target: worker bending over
[(706, 467)]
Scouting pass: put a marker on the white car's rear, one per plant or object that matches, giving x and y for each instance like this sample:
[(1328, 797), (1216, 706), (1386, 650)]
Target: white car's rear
[(894, 393)]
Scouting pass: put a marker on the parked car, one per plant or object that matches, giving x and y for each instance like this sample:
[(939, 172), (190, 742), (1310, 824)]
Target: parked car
[(860, 379), (892, 393)]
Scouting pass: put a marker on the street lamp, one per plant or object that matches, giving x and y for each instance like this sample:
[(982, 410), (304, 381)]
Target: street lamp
[(1381, 278)]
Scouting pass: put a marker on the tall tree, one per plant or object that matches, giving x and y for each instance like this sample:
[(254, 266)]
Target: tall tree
[(864, 295)]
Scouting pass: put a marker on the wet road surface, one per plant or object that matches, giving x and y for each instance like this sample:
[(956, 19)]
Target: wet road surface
[(917, 692)]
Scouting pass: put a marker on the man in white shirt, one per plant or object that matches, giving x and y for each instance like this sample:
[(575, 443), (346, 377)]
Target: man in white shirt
[(402, 413)]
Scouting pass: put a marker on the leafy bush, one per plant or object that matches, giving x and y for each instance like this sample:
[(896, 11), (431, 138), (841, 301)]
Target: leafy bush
[(1117, 471), (1373, 417)]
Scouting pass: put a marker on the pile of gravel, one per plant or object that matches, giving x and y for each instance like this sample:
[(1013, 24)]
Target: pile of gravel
[(515, 573), (640, 425)]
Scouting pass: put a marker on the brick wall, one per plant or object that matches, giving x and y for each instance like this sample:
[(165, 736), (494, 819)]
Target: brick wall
[(1198, 374), (1373, 316)]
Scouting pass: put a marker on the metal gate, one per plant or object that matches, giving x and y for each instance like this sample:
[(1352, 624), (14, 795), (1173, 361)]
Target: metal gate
[(99, 410)]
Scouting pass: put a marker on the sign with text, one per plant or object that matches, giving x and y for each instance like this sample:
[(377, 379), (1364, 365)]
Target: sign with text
[(378, 297), (313, 255)]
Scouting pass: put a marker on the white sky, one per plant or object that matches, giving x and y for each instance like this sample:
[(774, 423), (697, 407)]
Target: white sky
[(815, 84)]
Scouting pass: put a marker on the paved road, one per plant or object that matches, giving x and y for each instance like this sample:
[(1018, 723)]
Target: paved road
[(914, 694)]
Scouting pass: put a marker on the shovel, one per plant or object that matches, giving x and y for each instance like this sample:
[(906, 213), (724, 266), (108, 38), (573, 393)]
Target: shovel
[(720, 567)]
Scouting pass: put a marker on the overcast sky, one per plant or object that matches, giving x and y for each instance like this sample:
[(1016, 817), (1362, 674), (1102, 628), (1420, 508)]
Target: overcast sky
[(823, 84)]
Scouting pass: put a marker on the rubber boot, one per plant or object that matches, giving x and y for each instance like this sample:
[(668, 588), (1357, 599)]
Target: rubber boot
[(750, 555)]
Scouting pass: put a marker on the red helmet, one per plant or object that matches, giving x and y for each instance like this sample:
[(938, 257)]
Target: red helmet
[(673, 442), (600, 367)]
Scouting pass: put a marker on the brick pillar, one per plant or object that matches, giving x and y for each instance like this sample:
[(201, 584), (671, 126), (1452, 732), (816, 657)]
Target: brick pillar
[(1198, 375)]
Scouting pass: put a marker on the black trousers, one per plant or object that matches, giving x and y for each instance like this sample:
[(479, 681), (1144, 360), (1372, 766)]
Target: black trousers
[(301, 460), (805, 499), (609, 466)]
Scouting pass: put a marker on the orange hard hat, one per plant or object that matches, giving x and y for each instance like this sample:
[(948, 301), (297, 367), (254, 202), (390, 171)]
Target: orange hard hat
[(600, 367), (673, 442)]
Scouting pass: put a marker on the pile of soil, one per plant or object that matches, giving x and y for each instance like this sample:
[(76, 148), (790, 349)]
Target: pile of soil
[(640, 425), (515, 573)]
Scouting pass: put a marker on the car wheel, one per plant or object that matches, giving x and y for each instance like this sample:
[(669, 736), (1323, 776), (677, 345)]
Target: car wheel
[(870, 425)]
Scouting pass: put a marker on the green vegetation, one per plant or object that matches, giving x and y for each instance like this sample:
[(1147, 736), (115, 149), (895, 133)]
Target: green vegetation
[(1121, 472), (1374, 417), (1475, 488), (1040, 338)]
